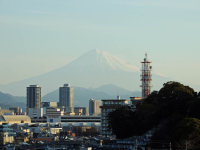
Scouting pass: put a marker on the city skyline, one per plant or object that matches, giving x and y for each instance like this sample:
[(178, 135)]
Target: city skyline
[(37, 37)]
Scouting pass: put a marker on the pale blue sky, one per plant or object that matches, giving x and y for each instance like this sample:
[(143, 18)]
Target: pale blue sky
[(40, 35)]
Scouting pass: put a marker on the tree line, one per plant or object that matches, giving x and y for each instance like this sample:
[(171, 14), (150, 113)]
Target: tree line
[(173, 111)]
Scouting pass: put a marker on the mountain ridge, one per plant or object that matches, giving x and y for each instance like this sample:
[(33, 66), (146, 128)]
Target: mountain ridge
[(8, 100)]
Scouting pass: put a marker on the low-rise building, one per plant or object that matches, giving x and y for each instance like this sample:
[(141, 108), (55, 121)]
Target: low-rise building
[(46, 105), (67, 118), (55, 130), (6, 112), (35, 112), (6, 134), (81, 111), (16, 110), (20, 138), (136, 100), (54, 114), (12, 119)]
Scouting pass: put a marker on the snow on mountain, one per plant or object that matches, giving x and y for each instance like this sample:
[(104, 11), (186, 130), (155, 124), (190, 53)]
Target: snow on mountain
[(102, 60), (114, 62)]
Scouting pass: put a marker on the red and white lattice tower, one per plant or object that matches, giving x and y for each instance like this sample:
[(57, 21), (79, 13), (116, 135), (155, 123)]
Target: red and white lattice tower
[(146, 77)]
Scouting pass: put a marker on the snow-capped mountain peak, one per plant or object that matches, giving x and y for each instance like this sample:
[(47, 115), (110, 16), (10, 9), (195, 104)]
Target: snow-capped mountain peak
[(104, 60)]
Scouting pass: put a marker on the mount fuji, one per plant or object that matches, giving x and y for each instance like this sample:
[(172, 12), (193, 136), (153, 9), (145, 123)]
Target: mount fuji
[(91, 70)]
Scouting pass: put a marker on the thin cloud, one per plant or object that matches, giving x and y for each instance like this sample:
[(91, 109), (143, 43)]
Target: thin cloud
[(175, 4)]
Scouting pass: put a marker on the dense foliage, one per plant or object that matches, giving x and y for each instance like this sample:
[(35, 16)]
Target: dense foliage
[(173, 111), (123, 118)]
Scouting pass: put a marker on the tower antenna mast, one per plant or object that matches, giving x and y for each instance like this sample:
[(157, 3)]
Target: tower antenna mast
[(146, 77)]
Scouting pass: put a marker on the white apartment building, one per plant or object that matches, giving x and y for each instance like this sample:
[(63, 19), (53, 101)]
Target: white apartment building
[(54, 114), (35, 112)]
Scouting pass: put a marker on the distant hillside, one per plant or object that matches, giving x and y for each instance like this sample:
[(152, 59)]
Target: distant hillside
[(7, 100), (112, 89), (83, 95)]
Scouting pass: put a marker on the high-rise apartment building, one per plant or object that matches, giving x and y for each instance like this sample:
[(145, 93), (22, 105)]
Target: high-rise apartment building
[(66, 95), (33, 97), (94, 107)]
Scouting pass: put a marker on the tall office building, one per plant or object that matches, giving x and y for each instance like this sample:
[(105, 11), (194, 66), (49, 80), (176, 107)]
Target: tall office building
[(94, 107), (66, 95), (33, 97)]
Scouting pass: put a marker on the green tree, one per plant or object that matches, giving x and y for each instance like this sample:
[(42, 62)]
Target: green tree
[(187, 130), (121, 123), (173, 89)]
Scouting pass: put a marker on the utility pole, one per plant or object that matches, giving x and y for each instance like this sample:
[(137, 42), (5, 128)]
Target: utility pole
[(185, 145), (136, 144), (170, 146)]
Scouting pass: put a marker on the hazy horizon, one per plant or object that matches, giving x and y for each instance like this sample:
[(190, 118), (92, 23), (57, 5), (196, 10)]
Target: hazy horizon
[(40, 36)]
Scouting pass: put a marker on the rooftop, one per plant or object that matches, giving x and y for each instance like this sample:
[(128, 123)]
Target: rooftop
[(14, 118)]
